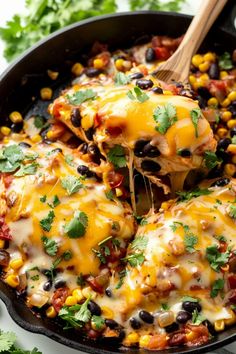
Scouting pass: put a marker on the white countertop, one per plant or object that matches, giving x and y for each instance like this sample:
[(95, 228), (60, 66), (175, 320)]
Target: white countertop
[(26, 339)]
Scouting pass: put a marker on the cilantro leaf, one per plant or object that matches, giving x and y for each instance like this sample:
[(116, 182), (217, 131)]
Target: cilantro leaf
[(13, 153), (77, 226), (197, 318), (7, 340), (50, 246), (121, 79), (190, 240), (81, 96), (77, 315), (72, 184), (233, 141), (100, 255), (211, 160), (196, 192), (43, 199), (137, 94), (24, 170), (98, 321), (195, 116), (165, 117), (46, 223), (122, 275), (225, 61), (216, 258), (139, 243), (134, 259), (55, 202), (69, 160), (218, 285), (189, 298), (232, 211), (165, 307), (39, 122), (110, 194), (117, 156)]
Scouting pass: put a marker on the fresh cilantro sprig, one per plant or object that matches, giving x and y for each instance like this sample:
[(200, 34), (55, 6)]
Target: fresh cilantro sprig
[(71, 184), (218, 285), (75, 316), (190, 240), (81, 96), (50, 246), (194, 193), (211, 159), (195, 116), (189, 298), (121, 79), (197, 318), (29, 169), (46, 223), (66, 256), (215, 258), (8, 346), (55, 202), (116, 155), (165, 117), (225, 61), (139, 243), (98, 322), (122, 275), (137, 94), (76, 227), (134, 260)]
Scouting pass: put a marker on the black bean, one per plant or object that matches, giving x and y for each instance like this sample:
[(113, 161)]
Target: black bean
[(94, 308), (108, 292), (190, 306), (172, 328), (201, 101), (89, 133), (138, 148), (232, 109), (17, 127), (233, 132), (47, 286), (93, 149), (150, 166), (24, 145), (150, 55), (111, 323), (84, 148), (59, 283), (187, 93), (134, 323), (223, 143), (214, 71), (92, 72), (136, 76), (183, 317), (220, 182), (144, 84), (210, 327), (215, 172), (146, 316), (75, 117), (204, 92), (151, 151), (157, 90), (184, 152), (85, 171), (57, 151)]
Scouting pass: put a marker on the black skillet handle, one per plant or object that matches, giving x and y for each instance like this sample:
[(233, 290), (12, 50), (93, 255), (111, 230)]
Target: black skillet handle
[(226, 20)]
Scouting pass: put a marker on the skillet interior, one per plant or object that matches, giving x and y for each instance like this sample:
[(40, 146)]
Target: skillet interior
[(27, 75)]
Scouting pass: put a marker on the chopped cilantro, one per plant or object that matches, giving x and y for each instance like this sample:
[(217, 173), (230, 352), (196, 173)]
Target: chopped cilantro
[(46, 223), (24, 170), (31, 156), (225, 61), (196, 192), (165, 307), (117, 156), (195, 116), (80, 280), (35, 277), (165, 117), (77, 226), (189, 298), (134, 259), (218, 201), (217, 286), (232, 211), (197, 318), (43, 199), (55, 202), (77, 315), (100, 255), (221, 238), (81, 96), (50, 246), (121, 79), (216, 258), (72, 184), (211, 160), (110, 194), (139, 243), (69, 160), (39, 122), (137, 94), (190, 240), (122, 275), (10, 158), (98, 322)]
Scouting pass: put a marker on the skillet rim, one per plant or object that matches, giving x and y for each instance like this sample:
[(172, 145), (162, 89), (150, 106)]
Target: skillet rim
[(12, 305)]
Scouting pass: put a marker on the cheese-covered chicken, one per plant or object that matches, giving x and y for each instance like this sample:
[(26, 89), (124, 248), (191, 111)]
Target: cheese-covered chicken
[(161, 133)]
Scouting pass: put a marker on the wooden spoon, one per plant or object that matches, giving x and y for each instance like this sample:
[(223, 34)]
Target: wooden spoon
[(176, 68)]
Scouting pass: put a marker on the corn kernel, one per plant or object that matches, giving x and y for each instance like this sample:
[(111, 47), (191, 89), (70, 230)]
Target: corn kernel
[(223, 74), (219, 325), (36, 138), (77, 293), (232, 320), (98, 63), (53, 74), (225, 103), (5, 131), (51, 312), (119, 64), (209, 57), (132, 338), (119, 192), (70, 301), (77, 69), (167, 92), (88, 292), (197, 59), (232, 96), (50, 135), (232, 149), (231, 123), (226, 116), (230, 169), (234, 158), (222, 132), (144, 340), (12, 280), (46, 93), (213, 102), (16, 263), (192, 79), (2, 243), (203, 67), (6, 140), (107, 312), (204, 77), (16, 117), (165, 205)]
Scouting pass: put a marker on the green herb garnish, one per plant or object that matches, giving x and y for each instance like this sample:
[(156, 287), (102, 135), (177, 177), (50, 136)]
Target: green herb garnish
[(50, 246), (165, 117), (121, 79), (195, 116), (197, 318), (72, 184), (46, 223), (211, 160), (81, 96), (76, 228), (216, 258), (137, 94), (98, 322), (117, 156), (134, 259), (217, 287), (55, 202), (225, 61), (139, 243), (196, 192)]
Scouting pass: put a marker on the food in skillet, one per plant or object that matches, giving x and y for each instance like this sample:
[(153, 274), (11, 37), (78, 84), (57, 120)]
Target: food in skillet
[(80, 258)]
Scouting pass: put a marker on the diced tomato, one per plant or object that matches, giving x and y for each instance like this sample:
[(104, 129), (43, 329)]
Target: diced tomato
[(232, 281), (158, 341), (162, 53), (218, 88), (171, 87), (56, 110), (97, 121), (115, 179), (95, 284), (7, 180), (201, 335), (59, 298), (4, 230), (114, 131)]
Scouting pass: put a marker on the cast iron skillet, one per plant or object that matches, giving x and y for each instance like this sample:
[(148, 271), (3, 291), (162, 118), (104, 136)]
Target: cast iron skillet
[(19, 90)]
